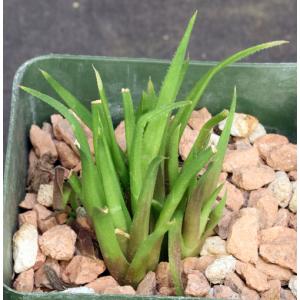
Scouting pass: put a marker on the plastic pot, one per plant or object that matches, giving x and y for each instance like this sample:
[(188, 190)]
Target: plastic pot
[(267, 91)]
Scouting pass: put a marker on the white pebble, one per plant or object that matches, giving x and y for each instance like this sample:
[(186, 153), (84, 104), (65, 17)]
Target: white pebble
[(218, 270), (45, 195), (281, 188), (258, 132), (25, 247), (80, 290), (243, 125), (293, 201), (214, 245), (293, 285)]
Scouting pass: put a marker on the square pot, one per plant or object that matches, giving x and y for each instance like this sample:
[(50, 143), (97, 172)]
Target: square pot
[(267, 91)]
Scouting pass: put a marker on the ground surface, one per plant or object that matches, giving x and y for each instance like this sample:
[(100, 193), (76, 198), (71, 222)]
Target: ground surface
[(141, 28)]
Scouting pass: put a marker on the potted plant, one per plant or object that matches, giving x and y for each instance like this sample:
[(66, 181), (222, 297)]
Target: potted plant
[(143, 203)]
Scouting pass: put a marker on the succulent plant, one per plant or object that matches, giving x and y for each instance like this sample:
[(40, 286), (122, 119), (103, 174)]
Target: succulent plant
[(143, 200)]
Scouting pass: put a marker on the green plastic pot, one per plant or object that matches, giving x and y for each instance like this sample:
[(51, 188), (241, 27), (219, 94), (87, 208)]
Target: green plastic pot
[(267, 91)]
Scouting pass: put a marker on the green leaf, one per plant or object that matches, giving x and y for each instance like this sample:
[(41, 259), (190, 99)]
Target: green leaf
[(113, 256), (196, 93), (174, 252), (136, 174), (129, 118), (140, 224), (188, 172), (108, 129), (72, 102), (155, 131)]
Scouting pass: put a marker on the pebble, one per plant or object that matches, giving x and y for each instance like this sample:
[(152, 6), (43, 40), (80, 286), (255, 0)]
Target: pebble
[(24, 281), (198, 118), (254, 278), (45, 195), (283, 157), (258, 132), (29, 201), (252, 178), (273, 292), (120, 290), (79, 290), (278, 246), (120, 135), (29, 217), (224, 292), (218, 270), (83, 269), (293, 201), (44, 219), (214, 245), (101, 283), (242, 240), (265, 143), (187, 141), (243, 125), (281, 189), (25, 247), (67, 157), (197, 285), (58, 242), (293, 285), (147, 286)]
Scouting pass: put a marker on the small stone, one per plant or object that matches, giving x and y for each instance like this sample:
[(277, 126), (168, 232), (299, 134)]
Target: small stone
[(43, 144), (45, 221), (83, 269), (147, 286), (286, 295), (79, 290), (273, 292), (45, 195), (258, 132), (242, 241), (235, 198), (187, 141), (233, 281), (255, 195), (62, 131), (29, 217), (163, 275), (120, 135), (24, 281), (293, 201), (25, 247), (214, 245), (235, 159), (29, 201), (283, 217), (278, 246), (241, 144), (255, 279), (40, 276), (265, 143), (58, 242), (218, 270), (267, 207), (273, 272), (101, 283), (243, 125), (190, 264), (252, 178), (119, 290), (249, 294), (67, 157), (40, 259), (61, 218), (225, 222), (281, 188), (283, 157), (293, 175), (293, 285), (293, 221), (197, 285), (199, 118), (224, 292)]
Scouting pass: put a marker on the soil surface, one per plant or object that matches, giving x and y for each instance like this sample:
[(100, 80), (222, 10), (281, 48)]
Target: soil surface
[(142, 28)]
